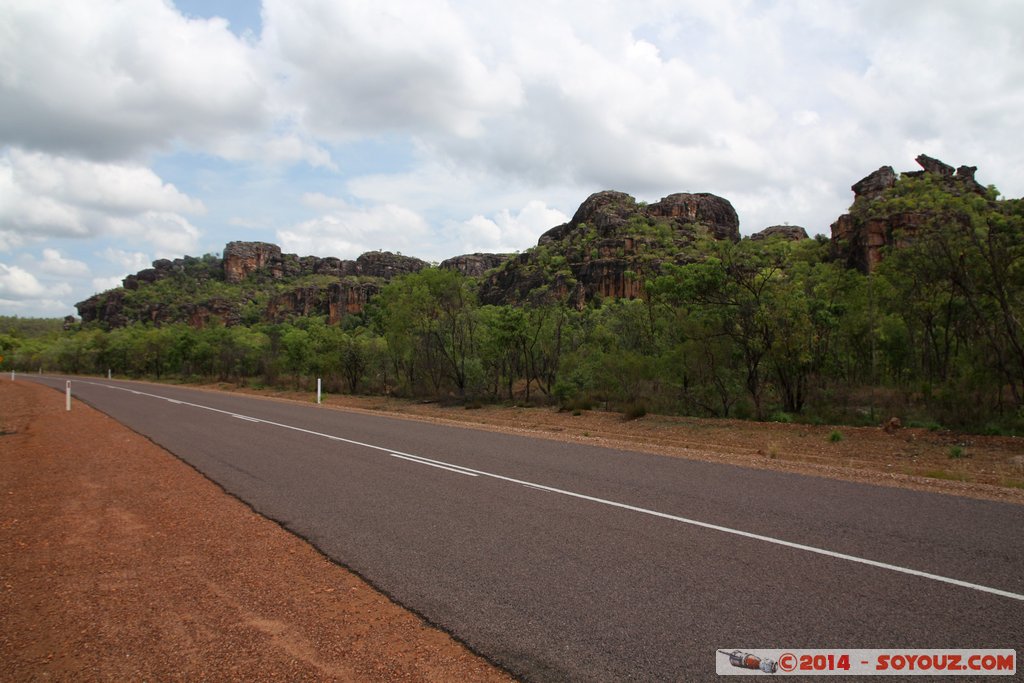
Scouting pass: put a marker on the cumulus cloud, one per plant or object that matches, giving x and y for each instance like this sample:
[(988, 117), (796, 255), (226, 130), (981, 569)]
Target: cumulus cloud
[(53, 263), (129, 261), (348, 231), (109, 80), (17, 283), (102, 284), (22, 291), (658, 97), (507, 232), (52, 196), (388, 65)]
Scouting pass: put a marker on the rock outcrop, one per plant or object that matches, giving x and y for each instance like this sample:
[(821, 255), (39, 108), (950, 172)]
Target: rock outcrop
[(245, 259), (609, 247), (250, 266), (860, 236), (241, 259), (346, 297), (105, 308), (474, 265), (710, 212), (790, 233)]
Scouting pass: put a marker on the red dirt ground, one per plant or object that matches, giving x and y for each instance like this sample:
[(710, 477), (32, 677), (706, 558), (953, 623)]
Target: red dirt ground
[(120, 562)]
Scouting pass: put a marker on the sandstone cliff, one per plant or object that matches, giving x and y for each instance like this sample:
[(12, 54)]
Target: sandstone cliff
[(609, 247), (859, 237), (253, 281)]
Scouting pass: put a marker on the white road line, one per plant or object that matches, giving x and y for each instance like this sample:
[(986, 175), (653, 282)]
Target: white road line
[(246, 418), (622, 506), (424, 461)]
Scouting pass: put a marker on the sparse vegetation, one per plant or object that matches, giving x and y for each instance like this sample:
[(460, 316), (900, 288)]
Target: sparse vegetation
[(634, 412), (957, 452)]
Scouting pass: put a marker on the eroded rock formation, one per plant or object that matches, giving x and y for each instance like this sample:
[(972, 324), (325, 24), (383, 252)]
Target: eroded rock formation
[(791, 233), (474, 265), (859, 237), (251, 263), (609, 247), (241, 259)]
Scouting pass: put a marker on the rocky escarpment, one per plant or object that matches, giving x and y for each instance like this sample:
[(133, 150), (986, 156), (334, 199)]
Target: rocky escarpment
[(243, 260), (860, 236), (252, 281), (608, 248)]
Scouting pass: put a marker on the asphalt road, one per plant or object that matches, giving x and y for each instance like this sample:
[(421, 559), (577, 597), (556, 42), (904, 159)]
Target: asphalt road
[(561, 561)]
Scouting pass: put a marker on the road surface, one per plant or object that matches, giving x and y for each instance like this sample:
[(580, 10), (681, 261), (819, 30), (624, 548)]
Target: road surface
[(561, 561)]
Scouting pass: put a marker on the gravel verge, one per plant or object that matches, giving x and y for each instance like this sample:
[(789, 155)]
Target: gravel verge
[(120, 562)]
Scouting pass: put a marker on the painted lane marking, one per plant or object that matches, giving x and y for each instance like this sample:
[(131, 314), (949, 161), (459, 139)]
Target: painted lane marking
[(423, 461), (458, 469), (626, 506)]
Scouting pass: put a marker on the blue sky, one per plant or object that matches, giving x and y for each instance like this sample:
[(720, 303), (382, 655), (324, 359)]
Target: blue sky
[(146, 129)]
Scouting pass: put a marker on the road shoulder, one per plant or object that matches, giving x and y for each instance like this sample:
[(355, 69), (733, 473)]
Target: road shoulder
[(119, 561)]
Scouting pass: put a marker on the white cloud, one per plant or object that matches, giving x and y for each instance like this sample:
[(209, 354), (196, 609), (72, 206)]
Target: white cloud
[(505, 232), (168, 234), (109, 79), (19, 285), (273, 149), (348, 231), (55, 264), (389, 65), (52, 196), (130, 262), (102, 284)]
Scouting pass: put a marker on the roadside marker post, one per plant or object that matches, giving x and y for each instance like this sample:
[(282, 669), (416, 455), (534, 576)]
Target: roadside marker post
[(318, 391), (67, 395)]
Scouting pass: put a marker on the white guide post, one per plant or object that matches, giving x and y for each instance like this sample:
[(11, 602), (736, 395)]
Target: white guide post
[(67, 395), (318, 390)]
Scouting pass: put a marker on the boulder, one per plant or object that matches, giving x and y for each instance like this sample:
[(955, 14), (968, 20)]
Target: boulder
[(243, 258), (875, 184)]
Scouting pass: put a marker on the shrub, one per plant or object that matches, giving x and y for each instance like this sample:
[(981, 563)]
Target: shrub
[(635, 411), (957, 452), (836, 436)]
